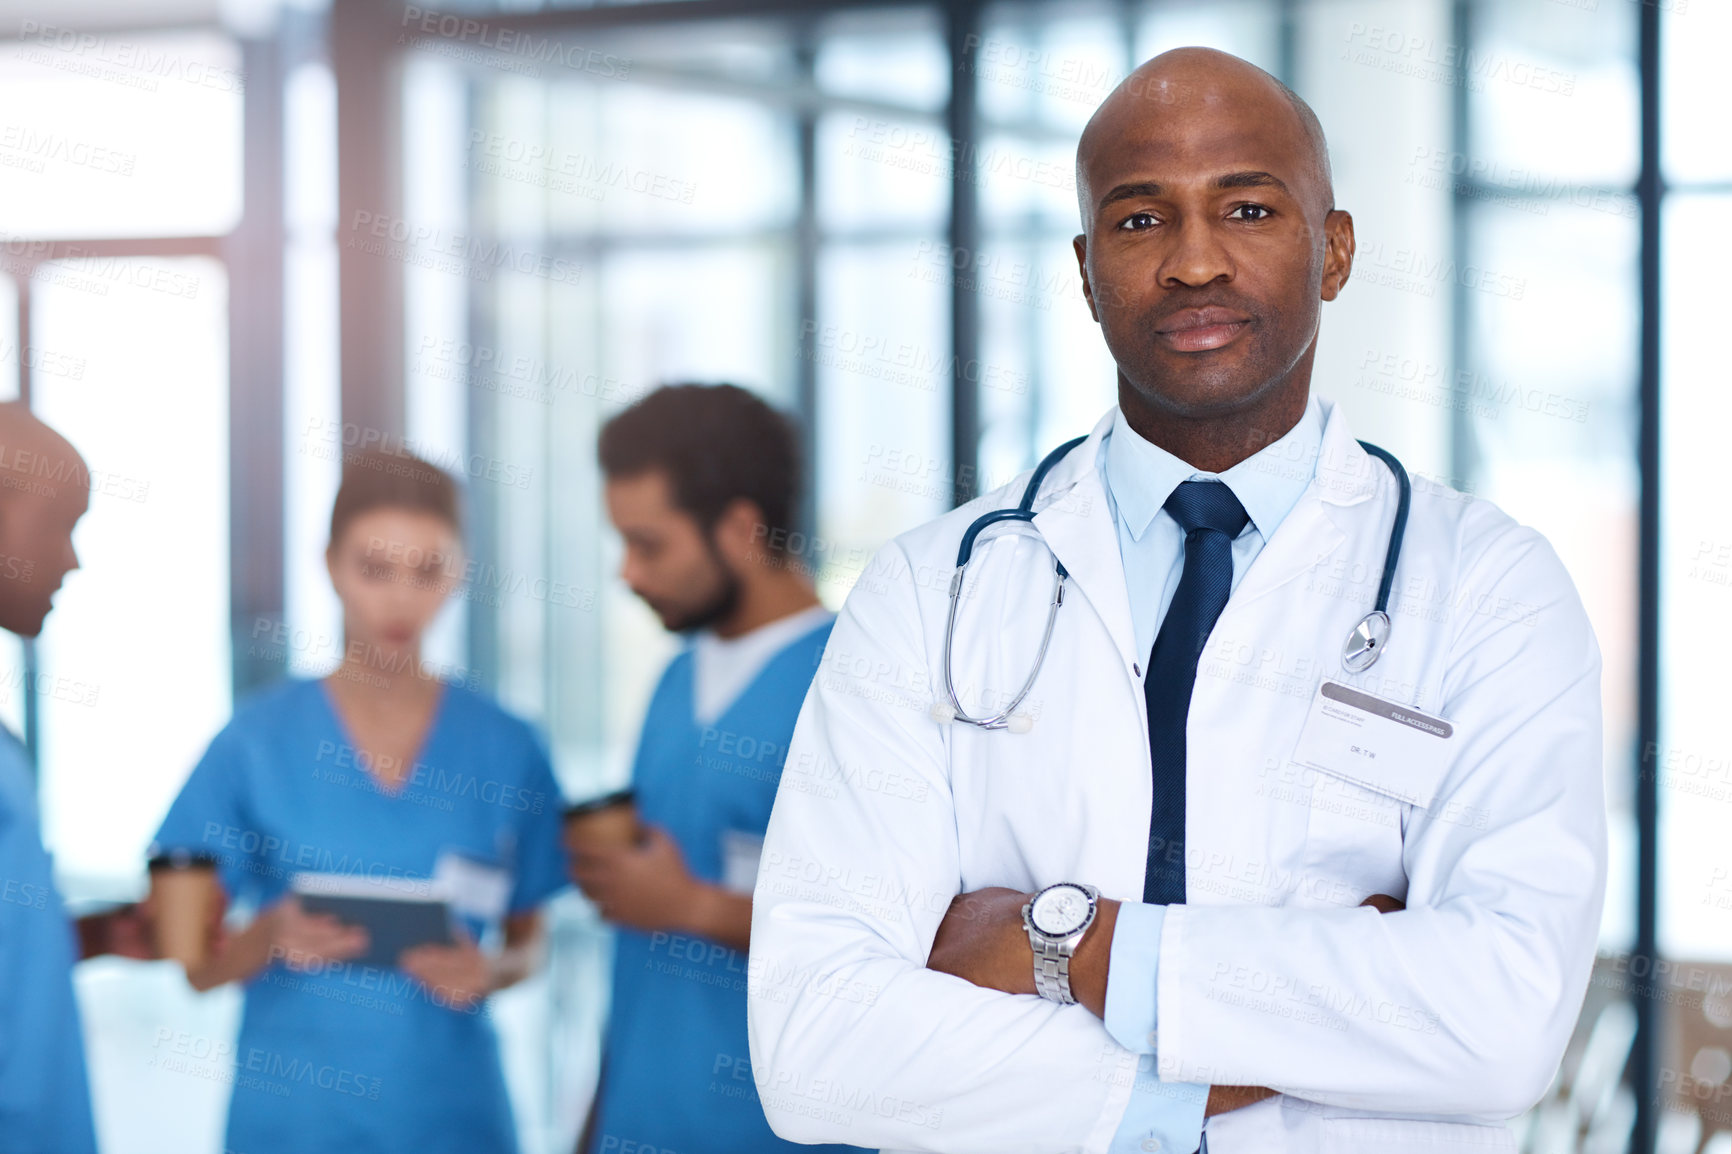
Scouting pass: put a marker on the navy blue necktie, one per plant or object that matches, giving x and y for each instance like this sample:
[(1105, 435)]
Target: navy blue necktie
[(1211, 517)]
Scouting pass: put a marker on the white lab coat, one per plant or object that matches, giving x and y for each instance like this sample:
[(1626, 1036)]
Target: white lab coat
[(1418, 1030)]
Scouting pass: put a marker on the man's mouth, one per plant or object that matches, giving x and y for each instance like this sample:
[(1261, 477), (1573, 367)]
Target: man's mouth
[(1198, 330)]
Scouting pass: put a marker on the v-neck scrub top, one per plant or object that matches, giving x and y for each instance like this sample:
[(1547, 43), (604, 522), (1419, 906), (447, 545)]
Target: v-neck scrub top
[(356, 1057), (677, 1076)]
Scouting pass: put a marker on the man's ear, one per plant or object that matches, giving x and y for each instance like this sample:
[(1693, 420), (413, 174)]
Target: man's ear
[(1337, 252), (1080, 244), (741, 534)]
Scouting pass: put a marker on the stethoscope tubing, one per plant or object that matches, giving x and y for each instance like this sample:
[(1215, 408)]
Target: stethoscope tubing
[(1371, 632)]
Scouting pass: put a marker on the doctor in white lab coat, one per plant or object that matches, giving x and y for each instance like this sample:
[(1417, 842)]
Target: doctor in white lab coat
[(892, 1001)]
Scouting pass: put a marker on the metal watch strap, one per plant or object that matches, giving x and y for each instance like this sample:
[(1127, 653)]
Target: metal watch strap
[(1051, 970)]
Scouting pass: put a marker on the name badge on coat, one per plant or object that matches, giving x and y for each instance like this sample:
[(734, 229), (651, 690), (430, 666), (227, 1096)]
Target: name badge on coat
[(1378, 744)]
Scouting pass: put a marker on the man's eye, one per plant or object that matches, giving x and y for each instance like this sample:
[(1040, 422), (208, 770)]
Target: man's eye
[(1138, 221), (1252, 212)]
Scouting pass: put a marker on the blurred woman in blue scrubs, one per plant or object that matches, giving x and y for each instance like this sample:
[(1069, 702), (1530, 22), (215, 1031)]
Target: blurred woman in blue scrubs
[(379, 771)]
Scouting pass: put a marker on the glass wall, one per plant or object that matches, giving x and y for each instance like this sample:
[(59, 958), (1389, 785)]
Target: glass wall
[(769, 201)]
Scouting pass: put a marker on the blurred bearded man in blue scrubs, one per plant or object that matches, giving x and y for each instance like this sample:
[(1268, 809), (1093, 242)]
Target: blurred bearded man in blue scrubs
[(702, 484)]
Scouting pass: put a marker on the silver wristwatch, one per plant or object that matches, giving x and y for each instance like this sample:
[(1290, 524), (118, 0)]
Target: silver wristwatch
[(1056, 920)]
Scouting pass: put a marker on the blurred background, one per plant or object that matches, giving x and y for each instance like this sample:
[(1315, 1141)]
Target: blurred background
[(241, 237)]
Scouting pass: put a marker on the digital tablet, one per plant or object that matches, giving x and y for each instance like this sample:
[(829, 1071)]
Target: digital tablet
[(397, 913)]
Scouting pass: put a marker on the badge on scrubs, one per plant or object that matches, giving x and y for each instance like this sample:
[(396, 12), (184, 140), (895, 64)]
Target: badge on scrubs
[(1378, 744), (741, 852), (474, 888)]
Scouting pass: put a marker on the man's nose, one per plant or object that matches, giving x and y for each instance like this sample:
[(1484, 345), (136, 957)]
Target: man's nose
[(1197, 256)]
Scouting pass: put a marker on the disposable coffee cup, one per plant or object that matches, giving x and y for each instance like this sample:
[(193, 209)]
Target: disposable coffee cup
[(607, 822), (186, 889)]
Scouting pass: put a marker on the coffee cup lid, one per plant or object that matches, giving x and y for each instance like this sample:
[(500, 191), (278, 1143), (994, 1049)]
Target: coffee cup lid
[(597, 804)]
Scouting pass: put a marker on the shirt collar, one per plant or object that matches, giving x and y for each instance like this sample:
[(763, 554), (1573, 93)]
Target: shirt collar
[(1141, 475)]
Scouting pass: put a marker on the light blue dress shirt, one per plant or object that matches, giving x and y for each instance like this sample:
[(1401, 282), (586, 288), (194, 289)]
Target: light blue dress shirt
[(1167, 1117)]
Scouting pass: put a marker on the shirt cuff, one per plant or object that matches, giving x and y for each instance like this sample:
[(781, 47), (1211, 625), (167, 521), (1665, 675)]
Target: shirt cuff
[(1131, 973), (1162, 1117)]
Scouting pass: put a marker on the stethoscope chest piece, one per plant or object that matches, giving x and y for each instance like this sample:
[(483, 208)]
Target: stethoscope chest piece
[(1366, 643)]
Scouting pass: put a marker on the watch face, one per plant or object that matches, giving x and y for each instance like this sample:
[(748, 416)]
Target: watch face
[(1060, 911)]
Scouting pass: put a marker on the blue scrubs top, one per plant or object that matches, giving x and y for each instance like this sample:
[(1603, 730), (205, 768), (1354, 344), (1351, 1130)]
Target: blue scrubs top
[(677, 1074), (44, 1090), (357, 1057)]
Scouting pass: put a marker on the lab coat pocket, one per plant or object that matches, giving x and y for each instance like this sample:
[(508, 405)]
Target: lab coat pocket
[(1362, 763), (1353, 840), (1409, 1136)]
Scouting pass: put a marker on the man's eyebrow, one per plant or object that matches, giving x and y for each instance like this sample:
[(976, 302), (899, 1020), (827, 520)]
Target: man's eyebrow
[(1127, 192), (1251, 180), (1231, 180)]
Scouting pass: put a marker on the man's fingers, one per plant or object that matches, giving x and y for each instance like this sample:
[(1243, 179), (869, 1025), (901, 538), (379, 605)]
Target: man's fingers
[(1225, 1098)]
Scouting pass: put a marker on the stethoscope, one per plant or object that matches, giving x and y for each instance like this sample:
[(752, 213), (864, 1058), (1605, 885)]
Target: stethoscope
[(1364, 645)]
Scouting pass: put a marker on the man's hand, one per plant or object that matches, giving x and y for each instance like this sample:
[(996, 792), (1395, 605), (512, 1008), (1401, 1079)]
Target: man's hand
[(126, 932), (982, 940), (646, 886), (1226, 1098)]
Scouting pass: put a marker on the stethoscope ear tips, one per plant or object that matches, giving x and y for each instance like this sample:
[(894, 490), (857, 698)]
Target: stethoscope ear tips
[(1019, 723), (942, 712)]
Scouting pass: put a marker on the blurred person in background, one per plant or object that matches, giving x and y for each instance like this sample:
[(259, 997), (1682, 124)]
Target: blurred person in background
[(44, 1086), (386, 772), (702, 483)]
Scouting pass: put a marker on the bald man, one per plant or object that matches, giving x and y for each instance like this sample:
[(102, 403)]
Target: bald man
[(1210, 241), (44, 1090)]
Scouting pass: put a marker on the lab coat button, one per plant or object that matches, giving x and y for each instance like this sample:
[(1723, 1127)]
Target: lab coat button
[(1152, 1145)]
